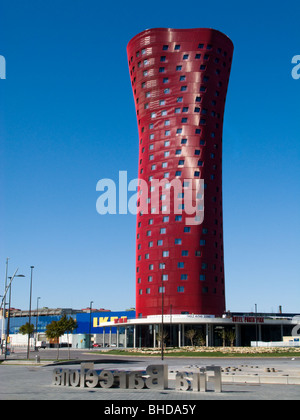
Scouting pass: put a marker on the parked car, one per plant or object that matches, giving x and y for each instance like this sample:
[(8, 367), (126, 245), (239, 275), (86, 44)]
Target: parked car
[(96, 345)]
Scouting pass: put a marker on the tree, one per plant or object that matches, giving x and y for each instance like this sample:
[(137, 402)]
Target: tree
[(29, 330), (26, 329), (231, 335), (201, 339), (54, 331), (160, 337), (223, 335), (68, 325), (190, 334)]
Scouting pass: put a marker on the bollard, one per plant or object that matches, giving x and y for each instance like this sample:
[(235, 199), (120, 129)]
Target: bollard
[(37, 358)]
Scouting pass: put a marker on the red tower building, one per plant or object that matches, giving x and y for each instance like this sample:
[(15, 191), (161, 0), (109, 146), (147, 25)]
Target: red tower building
[(179, 79)]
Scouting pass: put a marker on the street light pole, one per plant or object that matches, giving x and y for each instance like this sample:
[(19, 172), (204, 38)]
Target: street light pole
[(29, 322), (3, 310), (162, 311), (8, 320), (90, 324), (256, 335), (9, 306), (36, 318)]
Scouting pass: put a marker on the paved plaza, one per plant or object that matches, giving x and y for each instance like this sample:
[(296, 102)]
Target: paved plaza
[(34, 382)]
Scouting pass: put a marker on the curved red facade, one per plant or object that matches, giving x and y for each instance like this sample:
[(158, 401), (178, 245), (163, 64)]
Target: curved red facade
[(179, 79)]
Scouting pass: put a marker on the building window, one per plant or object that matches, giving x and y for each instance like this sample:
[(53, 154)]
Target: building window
[(180, 265), (178, 241), (202, 277), (177, 47), (165, 253), (180, 289), (161, 289), (187, 229), (164, 277), (184, 253), (183, 277)]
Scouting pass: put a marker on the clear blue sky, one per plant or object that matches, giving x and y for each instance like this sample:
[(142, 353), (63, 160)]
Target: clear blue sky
[(67, 119)]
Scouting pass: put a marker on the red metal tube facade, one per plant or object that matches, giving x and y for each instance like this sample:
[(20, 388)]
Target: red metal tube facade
[(179, 79)]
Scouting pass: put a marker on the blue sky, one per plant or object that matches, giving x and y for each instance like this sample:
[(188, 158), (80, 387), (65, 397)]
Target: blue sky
[(67, 120)]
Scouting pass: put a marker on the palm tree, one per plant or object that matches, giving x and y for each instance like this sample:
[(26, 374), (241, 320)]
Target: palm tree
[(231, 335), (160, 337), (201, 339)]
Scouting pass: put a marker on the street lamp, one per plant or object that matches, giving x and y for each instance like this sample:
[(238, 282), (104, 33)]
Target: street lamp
[(36, 318), (256, 335), (90, 324), (162, 266), (30, 296), (8, 314), (3, 310)]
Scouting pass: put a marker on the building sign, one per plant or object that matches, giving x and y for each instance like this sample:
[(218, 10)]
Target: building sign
[(154, 377), (248, 319), (93, 322), (97, 321)]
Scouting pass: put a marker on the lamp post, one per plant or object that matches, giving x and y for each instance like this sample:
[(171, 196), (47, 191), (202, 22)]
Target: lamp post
[(36, 318), (90, 324), (8, 314), (3, 310), (30, 296), (256, 335), (162, 311)]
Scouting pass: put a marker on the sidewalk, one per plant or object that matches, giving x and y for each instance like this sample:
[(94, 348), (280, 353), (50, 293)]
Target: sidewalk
[(34, 382)]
